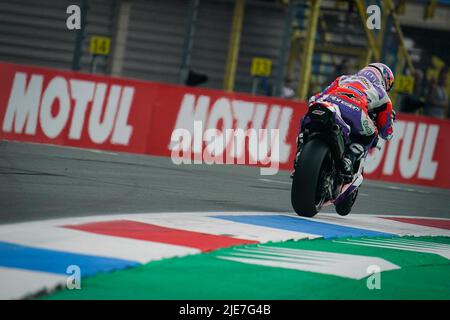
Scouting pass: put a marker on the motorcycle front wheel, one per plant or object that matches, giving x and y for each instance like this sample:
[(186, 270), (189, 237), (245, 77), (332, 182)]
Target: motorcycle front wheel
[(345, 206), (312, 167)]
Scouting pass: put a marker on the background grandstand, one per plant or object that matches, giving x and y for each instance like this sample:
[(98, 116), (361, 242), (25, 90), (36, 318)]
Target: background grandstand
[(162, 40)]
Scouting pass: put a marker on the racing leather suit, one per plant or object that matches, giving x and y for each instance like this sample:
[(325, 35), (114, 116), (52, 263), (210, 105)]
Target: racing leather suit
[(356, 96)]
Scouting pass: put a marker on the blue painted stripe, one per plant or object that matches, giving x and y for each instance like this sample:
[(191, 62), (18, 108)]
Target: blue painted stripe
[(29, 258), (327, 230)]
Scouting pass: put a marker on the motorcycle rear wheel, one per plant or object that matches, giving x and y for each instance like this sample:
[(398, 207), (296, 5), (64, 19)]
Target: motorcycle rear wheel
[(311, 168)]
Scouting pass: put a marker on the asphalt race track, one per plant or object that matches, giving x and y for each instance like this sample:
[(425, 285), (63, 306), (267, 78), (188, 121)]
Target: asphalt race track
[(41, 182)]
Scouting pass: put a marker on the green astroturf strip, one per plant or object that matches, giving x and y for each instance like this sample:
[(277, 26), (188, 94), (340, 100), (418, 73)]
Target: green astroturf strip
[(205, 276)]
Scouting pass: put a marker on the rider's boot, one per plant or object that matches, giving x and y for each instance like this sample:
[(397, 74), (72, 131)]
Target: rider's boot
[(353, 153)]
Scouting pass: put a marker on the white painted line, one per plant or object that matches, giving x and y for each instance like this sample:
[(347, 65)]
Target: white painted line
[(338, 264), (290, 183), (62, 147), (275, 181), (364, 183), (403, 244), (406, 189), (101, 151), (17, 283)]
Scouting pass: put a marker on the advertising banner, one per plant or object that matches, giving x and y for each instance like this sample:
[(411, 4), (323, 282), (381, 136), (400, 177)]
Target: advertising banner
[(193, 125)]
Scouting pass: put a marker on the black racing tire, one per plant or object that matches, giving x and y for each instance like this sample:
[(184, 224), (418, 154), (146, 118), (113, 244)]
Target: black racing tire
[(344, 207), (306, 182)]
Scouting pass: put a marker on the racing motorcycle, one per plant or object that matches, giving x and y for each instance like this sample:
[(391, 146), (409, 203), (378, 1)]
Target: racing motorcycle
[(318, 180)]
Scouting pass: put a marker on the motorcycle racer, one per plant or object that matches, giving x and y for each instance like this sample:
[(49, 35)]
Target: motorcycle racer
[(364, 106)]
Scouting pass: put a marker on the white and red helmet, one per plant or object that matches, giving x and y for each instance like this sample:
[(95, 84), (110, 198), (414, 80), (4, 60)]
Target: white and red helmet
[(385, 73)]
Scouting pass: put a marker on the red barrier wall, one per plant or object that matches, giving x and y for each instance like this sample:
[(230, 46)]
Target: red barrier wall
[(82, 110)]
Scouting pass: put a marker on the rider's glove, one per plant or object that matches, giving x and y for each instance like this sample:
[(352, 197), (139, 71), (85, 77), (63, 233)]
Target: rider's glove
[(394, 116)]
